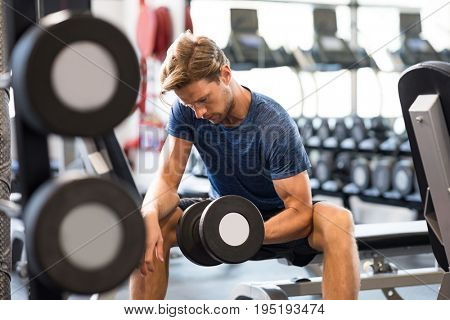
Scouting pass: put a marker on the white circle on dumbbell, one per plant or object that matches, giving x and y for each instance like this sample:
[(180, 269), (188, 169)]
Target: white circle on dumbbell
[(359, 176), (402, 180), (234, 229), (84, 76), (90, 236)]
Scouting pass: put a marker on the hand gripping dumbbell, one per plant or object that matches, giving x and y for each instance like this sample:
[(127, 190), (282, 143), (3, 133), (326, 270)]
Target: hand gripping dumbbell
[(229, 229)]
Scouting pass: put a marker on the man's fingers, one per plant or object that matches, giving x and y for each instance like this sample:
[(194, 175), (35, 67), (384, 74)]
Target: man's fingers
[(160, 250), (143, 268), (149, 259)]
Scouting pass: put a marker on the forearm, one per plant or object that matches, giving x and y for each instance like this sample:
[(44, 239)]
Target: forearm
[(288, 225), (161, 198)]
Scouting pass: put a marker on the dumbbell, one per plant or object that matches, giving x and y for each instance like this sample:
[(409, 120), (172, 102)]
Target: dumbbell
[(403, 177), (395, 137), (392, 143), (343, 163), (405, 146), (314, 156), (415, 195), (359, 130), (322, 132), (97, 60), (382, 174), (376, 133), (358, 133), (339, 133), (379, 126), (325, 166), (81, 228), (305, 126), (332, 170), (361, 173), (340, 129), (229, 229)]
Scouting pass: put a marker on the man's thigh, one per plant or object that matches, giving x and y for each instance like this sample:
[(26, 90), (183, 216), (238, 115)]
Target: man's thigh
[(298, 252)]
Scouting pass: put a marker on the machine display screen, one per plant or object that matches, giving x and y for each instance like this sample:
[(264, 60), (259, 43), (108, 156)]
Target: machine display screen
[(332, 44), (419, 45), (250, 40)]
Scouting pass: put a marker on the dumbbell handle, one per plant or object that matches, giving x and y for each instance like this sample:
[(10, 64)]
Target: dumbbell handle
[(11, 209), (5, 80)]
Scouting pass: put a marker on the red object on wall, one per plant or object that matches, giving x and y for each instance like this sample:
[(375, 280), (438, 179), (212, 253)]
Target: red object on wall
[(164, 32), (187, 19), (146, 29)]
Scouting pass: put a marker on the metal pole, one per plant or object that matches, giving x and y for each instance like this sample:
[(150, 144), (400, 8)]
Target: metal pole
[(5, 167), (354, 45), (39, 9)]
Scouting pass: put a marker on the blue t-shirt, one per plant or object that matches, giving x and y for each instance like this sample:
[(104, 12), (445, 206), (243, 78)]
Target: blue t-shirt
[(243, 160)]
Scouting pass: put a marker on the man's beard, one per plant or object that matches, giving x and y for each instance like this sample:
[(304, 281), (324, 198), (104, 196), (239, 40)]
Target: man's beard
[(229, 106)]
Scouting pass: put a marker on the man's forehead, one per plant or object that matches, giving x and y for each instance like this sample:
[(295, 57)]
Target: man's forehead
[(193, 92)]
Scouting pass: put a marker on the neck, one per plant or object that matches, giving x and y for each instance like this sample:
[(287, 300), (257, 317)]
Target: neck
[(239, 106)]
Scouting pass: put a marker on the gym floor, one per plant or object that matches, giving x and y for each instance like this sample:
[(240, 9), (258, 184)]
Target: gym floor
[(191, 282)]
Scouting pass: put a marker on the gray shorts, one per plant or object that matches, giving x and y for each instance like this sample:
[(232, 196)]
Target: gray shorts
[(298, 252)]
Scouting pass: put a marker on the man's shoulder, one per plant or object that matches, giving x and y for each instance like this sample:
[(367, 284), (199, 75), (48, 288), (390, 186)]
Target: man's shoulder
[(178, 105), (268, 109), (180, 111)]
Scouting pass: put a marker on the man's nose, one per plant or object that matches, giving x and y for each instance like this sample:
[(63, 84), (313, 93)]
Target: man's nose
[(200, 112)]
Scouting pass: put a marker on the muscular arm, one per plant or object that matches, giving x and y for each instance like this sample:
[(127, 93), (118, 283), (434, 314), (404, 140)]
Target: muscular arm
[(295, 221), (161, 197)]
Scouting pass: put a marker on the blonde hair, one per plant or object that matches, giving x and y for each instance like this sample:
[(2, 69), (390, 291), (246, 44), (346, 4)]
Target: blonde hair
[(190, 59)]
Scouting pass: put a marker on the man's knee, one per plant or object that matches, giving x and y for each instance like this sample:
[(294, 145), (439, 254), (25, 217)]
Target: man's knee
[(335, 223)]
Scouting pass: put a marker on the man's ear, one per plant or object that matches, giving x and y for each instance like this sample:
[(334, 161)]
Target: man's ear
[(225, 74)]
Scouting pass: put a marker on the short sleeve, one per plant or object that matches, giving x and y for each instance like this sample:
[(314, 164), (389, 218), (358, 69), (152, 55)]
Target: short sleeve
[(284, 152), (180, 123)]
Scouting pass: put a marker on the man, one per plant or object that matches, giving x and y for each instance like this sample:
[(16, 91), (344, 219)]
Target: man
[(252, 148)]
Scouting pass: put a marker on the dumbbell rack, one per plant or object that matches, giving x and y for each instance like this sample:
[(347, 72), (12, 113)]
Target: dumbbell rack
[(345, 196), (47, 200)]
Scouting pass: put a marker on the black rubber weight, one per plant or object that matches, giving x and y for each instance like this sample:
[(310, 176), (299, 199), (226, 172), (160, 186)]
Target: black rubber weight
[(361, 173), (44, 214), (209, 229), (32, 62), (406, 168), (188, 236)]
